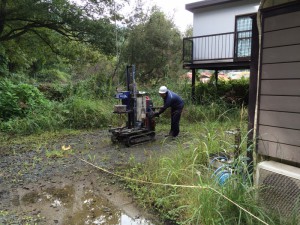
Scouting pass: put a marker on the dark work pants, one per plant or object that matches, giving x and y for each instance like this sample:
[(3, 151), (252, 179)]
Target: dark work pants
[(175, 118)]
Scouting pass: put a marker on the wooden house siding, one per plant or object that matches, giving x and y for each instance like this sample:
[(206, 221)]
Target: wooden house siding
[(282, 37), (279, 119), (287, 135), (281, 71), (279, 95), (282, 21), (281, 54), (280, 87), (278, 103), (279, 150)]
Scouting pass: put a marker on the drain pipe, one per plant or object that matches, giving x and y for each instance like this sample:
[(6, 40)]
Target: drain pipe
[(253, 89)]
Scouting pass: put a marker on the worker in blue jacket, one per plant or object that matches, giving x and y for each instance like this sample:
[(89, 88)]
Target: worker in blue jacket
[(176, 103)]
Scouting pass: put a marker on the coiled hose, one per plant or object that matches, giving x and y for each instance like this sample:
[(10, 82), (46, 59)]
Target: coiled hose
[(222, 173)]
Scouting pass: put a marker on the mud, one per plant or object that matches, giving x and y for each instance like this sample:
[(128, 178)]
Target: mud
[(44, 182)]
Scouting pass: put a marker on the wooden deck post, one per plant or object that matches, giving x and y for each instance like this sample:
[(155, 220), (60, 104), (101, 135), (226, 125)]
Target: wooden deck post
[(216, 77), (193, 85)]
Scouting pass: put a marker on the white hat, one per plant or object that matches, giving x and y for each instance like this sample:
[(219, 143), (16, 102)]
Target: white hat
[(163, 89)]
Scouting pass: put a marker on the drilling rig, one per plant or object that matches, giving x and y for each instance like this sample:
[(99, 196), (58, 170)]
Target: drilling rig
[(139, 110)]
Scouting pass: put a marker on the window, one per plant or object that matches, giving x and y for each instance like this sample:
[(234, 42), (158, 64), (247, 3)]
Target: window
[(243, 36)]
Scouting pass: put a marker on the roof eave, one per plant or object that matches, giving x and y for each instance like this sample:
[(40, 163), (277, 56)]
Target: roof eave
[(206, 3)]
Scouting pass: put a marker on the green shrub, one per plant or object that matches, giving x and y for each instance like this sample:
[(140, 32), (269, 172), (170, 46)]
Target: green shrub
[(98, 86), (17, 100), (234, 92), (3, 65), (40, 114), (87, 113), (55, 92), (52, 75), (74, 113), (49, 118)]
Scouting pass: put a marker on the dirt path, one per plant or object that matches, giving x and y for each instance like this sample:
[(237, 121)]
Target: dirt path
[(40, 183)]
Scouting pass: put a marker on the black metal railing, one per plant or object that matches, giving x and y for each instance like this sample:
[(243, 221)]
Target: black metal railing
[(217, 47)]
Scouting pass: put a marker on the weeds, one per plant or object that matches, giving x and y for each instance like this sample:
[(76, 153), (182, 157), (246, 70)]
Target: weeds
[(54, 154), (189, 165), (3, 213), (92, 158), (203, 133)]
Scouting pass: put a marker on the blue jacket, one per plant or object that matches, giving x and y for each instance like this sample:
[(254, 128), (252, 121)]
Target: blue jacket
[(172, 100)]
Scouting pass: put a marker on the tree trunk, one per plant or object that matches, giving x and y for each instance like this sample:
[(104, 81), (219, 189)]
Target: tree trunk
[(2, 14)]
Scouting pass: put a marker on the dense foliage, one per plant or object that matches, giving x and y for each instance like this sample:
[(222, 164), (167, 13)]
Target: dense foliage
[(60, 64), (35, 18), (234, 92), (154, 46), (18, 100)]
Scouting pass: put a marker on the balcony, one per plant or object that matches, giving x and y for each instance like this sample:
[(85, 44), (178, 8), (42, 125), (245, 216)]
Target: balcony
[(218, 51)]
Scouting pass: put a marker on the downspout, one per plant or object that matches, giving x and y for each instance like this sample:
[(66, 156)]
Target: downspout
[(252, 94), (259, 28)]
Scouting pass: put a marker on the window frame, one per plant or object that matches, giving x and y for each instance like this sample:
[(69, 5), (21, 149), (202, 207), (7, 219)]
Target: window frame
[(236, 38)]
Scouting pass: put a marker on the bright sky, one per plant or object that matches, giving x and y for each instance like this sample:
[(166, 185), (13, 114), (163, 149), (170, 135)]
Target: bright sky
[(176, 10), (172, 8)]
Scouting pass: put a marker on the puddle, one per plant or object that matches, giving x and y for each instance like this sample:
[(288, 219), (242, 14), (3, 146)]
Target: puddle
[(73, 204)]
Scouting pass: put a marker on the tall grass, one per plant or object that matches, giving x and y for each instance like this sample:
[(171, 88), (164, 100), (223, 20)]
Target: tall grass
[(74, 113), (87, 113), (188, 164)]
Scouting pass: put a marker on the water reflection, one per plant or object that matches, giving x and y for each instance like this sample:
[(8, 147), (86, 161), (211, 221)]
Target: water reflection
[(77, 205), (95, 209), (125, 220)]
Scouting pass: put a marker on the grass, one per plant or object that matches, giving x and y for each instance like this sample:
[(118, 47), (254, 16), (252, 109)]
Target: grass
[(57, 153), (74, 113), (203, 132), (36, 140)]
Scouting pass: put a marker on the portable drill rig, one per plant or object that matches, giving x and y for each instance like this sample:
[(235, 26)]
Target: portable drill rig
[(140, 124)]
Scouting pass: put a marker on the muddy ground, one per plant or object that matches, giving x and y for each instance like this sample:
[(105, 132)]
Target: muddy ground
[(44, 182)]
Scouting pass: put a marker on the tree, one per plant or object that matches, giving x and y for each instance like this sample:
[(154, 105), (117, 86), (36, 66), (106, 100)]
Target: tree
[(38, 34), (90, 23), (188, 31), (154, 46)]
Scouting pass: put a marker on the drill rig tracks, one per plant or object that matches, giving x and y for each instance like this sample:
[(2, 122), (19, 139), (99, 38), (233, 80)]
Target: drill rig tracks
[(131, 136), (140, 138)]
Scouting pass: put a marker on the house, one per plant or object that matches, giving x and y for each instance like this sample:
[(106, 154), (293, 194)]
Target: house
[(278, 103), (222, 35), (274, 93), (277, 117)]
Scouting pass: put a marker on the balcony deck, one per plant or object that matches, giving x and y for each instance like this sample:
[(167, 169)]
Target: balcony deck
[(218, 51)]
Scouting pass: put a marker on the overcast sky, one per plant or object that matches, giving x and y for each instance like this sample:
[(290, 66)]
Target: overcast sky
[(172, 8), (176, 8)]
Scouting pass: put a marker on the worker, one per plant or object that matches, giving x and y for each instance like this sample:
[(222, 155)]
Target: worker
[(176, 103)]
